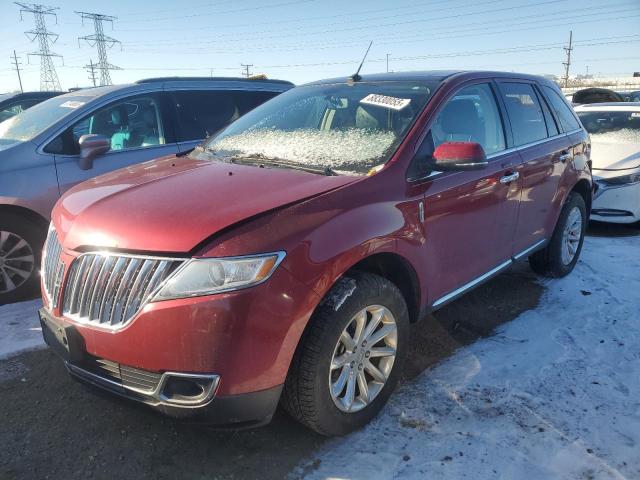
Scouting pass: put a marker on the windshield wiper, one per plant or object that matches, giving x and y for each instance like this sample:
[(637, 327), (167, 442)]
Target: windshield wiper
[(279, 162)]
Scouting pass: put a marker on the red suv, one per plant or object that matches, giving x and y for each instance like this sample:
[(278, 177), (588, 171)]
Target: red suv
[(284, 259)]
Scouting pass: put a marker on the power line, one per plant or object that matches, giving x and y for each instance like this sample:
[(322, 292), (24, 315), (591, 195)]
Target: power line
[(246, 67), (17, 68), (567, 64), (91, 68), (48, 75), (102, 41)]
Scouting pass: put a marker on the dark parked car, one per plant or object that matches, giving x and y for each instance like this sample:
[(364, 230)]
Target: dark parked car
[(284, 259), (70, 138), (12, 104)]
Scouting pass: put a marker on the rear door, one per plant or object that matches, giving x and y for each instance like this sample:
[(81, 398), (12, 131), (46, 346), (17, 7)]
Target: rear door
[(199, 114), (469, 216), (137, 127), (544, 152)]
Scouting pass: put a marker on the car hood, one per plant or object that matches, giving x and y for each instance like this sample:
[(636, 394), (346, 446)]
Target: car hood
[(615, 156), (173, 204)]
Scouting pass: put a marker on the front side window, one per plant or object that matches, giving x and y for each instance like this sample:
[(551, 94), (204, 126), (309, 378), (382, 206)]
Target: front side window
[(200, 114), (525, 112), (345, 127), (565, 116), (472, 115), (131, 123)]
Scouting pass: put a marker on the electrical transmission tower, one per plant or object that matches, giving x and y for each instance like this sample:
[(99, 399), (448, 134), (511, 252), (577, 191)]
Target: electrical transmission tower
[(102, 41), (48, 75), (567, 64), (91, 68), (245, 67), (17, 64)]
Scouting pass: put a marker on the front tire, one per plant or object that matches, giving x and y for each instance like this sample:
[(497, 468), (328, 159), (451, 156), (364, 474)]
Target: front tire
[(350, 357), (561, 254), (21, 244)]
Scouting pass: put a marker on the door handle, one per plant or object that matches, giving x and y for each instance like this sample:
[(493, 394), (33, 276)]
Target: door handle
[(564, 156), (512, 177)]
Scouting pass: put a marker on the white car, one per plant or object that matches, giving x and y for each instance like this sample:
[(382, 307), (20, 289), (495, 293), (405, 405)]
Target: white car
[(615, 152)]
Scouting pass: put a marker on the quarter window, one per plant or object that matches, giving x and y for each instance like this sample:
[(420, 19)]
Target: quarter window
[(566, 117), (525, 112)]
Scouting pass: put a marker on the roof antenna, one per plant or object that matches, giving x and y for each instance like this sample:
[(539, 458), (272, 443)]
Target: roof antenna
[(356, 76)]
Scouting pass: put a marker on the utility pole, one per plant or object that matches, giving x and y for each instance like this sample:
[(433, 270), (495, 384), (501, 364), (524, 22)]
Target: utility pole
[(91, 68), (17, 66), (387, 63), (102, 41), (246, 67), (567, 64), (48, 75)]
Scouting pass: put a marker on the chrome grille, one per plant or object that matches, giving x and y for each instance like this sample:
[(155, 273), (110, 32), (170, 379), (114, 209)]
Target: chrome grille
[(109, 289), (130, 377), (52, 268)]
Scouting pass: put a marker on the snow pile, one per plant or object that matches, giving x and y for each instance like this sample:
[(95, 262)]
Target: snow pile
[(326, 148), (554, 394), (19, 327), (624, 135)]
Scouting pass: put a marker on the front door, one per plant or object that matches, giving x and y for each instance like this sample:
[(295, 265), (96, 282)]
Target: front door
[(469, 216), (137, 128)]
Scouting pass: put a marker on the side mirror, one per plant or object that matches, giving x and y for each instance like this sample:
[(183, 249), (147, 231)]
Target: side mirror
[(92, 146), (457, 156)]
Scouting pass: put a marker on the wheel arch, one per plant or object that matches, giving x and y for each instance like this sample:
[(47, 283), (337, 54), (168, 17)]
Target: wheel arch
[(399, 271), (583, 187), (26, 213)]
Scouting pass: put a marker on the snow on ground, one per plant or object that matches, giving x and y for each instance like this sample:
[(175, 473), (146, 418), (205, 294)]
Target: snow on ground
[(554, 394), (19, 327)]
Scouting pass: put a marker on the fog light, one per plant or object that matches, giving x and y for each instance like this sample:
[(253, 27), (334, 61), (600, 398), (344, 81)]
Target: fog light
[(188, 389)]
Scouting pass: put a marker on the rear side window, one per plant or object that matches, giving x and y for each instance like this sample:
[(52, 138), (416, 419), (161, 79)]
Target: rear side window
[(200, 114), (525, 112), (567, 119)]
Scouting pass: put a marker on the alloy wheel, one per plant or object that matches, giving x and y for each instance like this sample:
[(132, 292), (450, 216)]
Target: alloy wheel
[(16, 261), (363, 358), (571, 235)]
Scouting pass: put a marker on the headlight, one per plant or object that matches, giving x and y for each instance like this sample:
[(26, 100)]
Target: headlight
[(623, 180), (205, 276)]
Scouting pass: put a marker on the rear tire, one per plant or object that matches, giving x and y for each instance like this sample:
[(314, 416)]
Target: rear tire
[(21, 243), (561, 254), (323, 362)]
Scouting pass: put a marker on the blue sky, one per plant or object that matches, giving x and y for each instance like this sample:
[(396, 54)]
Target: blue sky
[(304, 40)]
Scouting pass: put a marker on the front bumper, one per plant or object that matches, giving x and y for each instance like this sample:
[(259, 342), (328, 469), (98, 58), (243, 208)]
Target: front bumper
[(158, 390), (616, 204)]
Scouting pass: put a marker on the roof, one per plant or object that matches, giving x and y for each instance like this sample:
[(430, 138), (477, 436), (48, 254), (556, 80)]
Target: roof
[(19, 95), (214, 79), (609, 106), (427, 75)]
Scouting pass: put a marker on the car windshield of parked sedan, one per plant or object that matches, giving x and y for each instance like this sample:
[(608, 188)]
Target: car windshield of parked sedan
[(33, 121), (618, 127), (345, 128)]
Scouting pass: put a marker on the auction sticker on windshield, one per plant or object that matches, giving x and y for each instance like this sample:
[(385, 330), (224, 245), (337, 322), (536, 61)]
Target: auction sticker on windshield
[(72, 104), (385, 101)]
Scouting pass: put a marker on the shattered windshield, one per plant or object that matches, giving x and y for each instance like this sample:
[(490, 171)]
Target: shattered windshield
[(347, 128), (617, 127)]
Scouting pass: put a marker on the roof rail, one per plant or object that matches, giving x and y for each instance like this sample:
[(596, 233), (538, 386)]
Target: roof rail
[(213, 79)]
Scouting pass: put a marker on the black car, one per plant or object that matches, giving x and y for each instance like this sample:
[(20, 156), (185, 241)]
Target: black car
[(13, 103)]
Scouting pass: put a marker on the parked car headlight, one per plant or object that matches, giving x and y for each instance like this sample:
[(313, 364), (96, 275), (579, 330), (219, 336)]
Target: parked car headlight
[(205, 276), (622, 180)]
